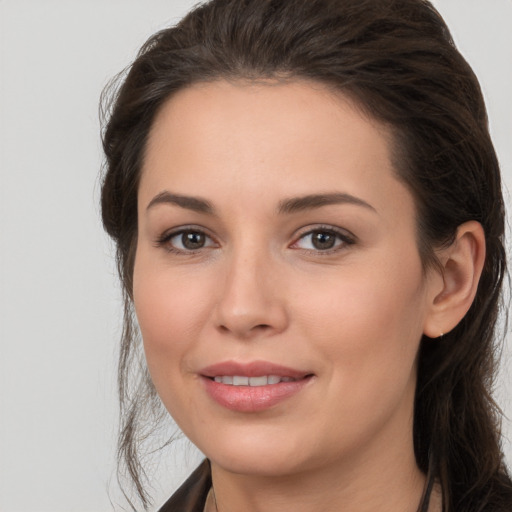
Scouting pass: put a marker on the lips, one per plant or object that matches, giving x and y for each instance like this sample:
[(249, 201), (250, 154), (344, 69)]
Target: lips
[(252, 387), (252, 369)]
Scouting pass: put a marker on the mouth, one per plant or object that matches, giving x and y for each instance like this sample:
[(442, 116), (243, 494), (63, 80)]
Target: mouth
[(241, 380), (253, 387)]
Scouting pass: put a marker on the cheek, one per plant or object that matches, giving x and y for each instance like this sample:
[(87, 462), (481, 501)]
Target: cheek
[(368, 327), (170, 309), (384, 299)]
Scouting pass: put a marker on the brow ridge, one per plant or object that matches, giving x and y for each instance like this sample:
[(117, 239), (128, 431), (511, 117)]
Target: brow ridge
[(286, 206), (188, 202), (308, 202)]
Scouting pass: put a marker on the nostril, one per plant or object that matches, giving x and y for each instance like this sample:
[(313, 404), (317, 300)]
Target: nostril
[(244, 332)]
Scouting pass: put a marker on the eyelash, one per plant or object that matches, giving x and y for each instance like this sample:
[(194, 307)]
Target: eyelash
[(165, 239), (345, 239)]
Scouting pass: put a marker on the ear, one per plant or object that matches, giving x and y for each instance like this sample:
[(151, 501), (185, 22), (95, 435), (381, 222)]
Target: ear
[(452, 291)]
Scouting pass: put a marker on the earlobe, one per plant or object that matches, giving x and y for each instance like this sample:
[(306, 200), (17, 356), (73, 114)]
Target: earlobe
[(462, 263)]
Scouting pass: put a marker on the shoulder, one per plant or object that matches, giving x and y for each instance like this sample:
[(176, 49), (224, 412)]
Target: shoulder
[(191, 496)]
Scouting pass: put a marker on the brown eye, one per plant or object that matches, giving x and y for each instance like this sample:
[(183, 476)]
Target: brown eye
[(186, 241), (192, 240), (323, 240)]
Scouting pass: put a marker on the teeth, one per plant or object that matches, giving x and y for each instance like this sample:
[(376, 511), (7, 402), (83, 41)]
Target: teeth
[(258, 381), (240, 380)]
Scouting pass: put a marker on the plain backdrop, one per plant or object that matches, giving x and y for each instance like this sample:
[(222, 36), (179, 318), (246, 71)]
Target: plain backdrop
[(59, 299)]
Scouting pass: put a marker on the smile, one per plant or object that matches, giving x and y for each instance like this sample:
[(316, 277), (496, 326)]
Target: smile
[(254, 386), (240, 380)]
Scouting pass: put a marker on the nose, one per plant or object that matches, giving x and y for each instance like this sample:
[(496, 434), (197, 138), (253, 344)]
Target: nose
[(252, 301)]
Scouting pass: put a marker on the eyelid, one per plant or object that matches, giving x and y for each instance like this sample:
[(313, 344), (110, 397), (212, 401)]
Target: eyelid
[(164, 239), (346, 237)]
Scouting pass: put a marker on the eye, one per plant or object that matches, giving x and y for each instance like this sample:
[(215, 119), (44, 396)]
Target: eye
[(323, 239), (185, 240)]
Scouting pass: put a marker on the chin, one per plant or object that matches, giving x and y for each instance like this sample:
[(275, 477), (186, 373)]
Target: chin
[(257, 455), (256, 465)]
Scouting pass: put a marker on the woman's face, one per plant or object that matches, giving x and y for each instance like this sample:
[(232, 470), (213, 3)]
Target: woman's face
[(277, 280)]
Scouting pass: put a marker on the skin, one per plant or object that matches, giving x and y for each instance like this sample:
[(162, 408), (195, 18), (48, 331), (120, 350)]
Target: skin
[(259, 289)]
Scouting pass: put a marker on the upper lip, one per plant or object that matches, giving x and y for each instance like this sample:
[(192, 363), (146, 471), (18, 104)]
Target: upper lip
[(251, 369)]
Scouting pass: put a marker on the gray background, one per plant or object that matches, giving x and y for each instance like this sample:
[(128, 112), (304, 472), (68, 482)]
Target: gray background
[(59, 299)]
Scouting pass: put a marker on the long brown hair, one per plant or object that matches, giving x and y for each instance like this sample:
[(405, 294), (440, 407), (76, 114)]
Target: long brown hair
[(397, 61)]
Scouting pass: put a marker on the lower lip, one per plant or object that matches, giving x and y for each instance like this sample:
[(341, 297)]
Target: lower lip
[(253, 398)]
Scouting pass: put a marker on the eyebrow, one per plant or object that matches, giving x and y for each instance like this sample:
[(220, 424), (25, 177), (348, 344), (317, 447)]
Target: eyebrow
[(309, 202), (190, 203), (287, 206)]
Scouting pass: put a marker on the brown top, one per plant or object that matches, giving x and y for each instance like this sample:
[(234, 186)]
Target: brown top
[(191, 496)]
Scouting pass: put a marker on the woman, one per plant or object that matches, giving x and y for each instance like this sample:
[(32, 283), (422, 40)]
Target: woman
[(308, 214)]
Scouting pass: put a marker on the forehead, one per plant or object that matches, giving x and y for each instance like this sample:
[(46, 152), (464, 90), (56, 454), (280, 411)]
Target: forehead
[(269, 138), (294, 110)]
